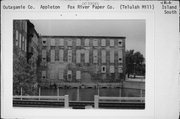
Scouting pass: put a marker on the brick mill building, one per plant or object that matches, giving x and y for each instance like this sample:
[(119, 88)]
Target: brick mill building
[(82, 59)]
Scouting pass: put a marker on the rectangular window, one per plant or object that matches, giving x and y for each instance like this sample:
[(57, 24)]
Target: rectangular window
[(103, 42), (103, 69), (86, 56), (86, 42), (19, 40), (120, 59), (111, 56), (111, 42), (78, 56), (43, 74), (69, 75), (61, 42), (78, 42), (44, 42), (120, 69), (52, 73), (95, 42), (103, 56), (69, 42), (25, 44), (61, 74), (120, 43), (111, 69), (17, 33), (69, 56), (52, 42), (22, 42), (61, 55), (52, 55), (44, 55), (78, 75), (95, 56)]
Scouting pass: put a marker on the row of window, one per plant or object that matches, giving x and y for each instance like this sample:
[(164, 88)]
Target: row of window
[(78, 73), (20, 41), (69, 42), (86, 56)]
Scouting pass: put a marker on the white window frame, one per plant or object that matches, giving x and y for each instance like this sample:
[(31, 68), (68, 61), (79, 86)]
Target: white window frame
[(95, 42), (103, 56), (17, 35), (103, 42), (111, 42), (61, 42)]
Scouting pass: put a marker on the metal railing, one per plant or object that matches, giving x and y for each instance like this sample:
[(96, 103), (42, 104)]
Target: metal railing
[(97, 98), (64, 98)]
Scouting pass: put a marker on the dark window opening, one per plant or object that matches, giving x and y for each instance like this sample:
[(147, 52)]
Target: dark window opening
[(103, 68), (120, 59), (44, 77), (119, 42), (44, 42)]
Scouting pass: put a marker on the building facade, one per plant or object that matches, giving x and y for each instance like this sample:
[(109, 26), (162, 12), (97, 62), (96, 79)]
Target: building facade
[(26, 48), (83, 59)]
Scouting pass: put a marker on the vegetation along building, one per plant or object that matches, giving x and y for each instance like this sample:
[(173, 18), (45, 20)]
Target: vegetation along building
[(83, 59), (26, 48)]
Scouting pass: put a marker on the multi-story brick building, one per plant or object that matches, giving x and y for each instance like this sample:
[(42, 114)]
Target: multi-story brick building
[(87, 59), (26, 50)]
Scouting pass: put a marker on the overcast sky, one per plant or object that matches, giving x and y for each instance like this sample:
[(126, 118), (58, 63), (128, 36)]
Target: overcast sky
[(133, 30)]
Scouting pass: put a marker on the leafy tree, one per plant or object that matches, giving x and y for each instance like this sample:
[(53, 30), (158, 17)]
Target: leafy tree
[(134, 63), (24, 76)]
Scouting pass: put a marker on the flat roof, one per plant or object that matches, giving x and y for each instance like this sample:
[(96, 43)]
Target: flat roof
[(121, 37)]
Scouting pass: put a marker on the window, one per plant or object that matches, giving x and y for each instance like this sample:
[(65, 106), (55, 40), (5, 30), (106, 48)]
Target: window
[(111, 42), (61, 55), (112, 56), (52, 55), (78, 56), (78, 42), (44, 42), (69, 42), (86, 42), (25, 44), (61, 74), (44, 55), (17, 33), (103, 56), (111, 69), (95, 42), (52, 42), (52, 73), (120, 60), (19, 40), (61, 42), (120, 43), (86, 56), (103, 42), (120, 69), (69, 56), (95, 56), (43, 74), (78, 75), (103, 69), (69, 75)]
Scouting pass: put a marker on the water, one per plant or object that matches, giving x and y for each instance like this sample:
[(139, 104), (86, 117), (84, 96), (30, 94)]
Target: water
[(88, 94)]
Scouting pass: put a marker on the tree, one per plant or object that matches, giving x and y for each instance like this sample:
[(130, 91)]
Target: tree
[(24, 76), (134, 63)]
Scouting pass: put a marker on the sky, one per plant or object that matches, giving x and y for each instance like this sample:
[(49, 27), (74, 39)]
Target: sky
[(133, 30)]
